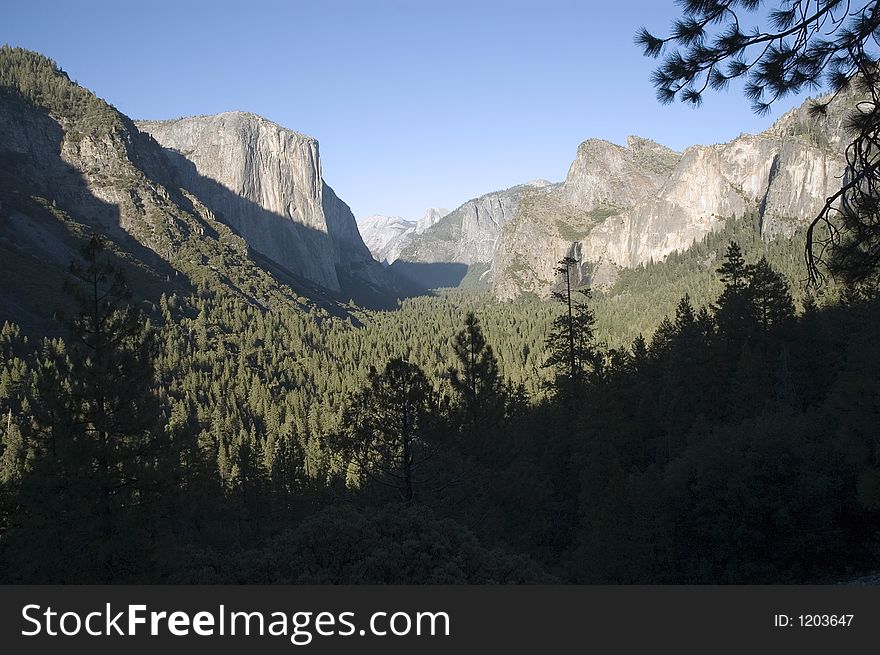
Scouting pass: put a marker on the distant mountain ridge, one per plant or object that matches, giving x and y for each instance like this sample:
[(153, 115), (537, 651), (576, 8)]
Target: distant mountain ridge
[(387, 236), (466, 236), (238, 201), (622, 206)]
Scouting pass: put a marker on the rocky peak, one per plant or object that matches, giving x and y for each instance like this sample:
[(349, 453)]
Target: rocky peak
[(431, 216), (385, 236), (605, 174), (651, 156), (826, 130), (469, 234), (266, 182), (621, 207), (70, 165)]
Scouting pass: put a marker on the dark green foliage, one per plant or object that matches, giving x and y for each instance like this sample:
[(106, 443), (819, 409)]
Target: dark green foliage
[(96, 456), (735, 311), (571, 344), (477, 383), (571, 347), (255, 444), (232, 431), (397, 544), (39, 81), (643, 296), (733, 271), (732, 467), (774, 307), (390, 431), (802, 45)]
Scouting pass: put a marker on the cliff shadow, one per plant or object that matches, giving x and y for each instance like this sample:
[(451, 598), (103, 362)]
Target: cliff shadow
[(425, 277), (307, 246), (47, 213)]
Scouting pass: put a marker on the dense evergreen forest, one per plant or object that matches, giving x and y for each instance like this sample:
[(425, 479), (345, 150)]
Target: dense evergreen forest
[(703, 421)]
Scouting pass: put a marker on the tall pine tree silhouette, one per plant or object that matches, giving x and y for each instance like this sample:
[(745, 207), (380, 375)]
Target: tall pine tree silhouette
[(476, 381), (571, 342), (734, 312), (391, 429)]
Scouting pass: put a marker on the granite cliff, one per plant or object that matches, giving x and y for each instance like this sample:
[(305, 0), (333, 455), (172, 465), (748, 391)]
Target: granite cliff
[(266, 182), (468, 234), (240, 200), (387, 236), (621, 207)]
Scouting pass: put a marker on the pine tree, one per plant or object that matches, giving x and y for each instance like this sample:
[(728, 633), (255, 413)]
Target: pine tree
[(771, 297), (477, 382), (639, 356), (287, 468), (390, 430), (564, 267), (706, 324), (662, 340), (734, 311), (687, 339), (734, 271), (686, 321), (99, 453), (248, 486), (14, 408), (571, 341)]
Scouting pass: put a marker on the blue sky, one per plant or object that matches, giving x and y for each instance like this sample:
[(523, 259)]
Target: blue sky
[(415, 104)]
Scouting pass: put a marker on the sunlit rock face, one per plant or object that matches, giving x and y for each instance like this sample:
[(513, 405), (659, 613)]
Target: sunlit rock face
[(625, 206), (386, 236), (469, 234), (265, 181)]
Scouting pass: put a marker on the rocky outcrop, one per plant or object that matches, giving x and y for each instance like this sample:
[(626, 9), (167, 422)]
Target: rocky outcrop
[(386, 236), (621, 207), (604, 181), (604, 174), (265, 181), (71, 166), (784, 179), (239, 207), (469, 234), (431, 217)]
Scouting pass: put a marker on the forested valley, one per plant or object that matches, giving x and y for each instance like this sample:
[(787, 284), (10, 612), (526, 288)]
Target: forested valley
[(704, 420)]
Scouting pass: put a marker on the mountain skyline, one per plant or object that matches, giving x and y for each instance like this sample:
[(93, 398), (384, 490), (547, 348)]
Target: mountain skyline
[(618, 208), (405, 119)]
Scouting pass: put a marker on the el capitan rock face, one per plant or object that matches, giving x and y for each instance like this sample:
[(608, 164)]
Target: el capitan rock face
[(266, 182), (71, 165), (248, 213)]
